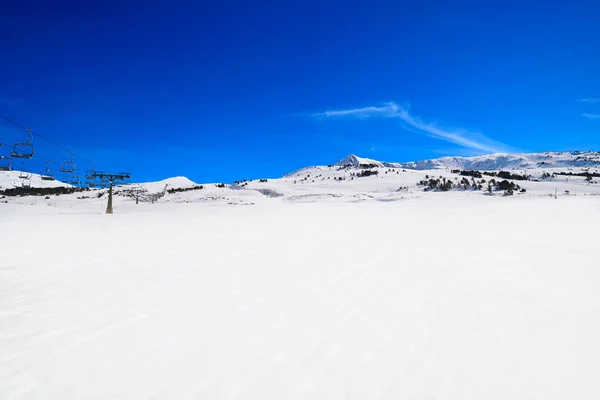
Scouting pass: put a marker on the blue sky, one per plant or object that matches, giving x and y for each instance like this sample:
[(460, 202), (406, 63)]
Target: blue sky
[(227, 90)]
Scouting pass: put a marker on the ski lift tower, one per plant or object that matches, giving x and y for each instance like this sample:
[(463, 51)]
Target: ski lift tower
[(111, 178)]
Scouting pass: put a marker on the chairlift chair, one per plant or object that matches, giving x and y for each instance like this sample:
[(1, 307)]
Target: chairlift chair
[(26, 183), (23, 149), (24, 174), (90, 177), (47, 175), (68, 165), (5, 163), (74, 180), (90, 173)]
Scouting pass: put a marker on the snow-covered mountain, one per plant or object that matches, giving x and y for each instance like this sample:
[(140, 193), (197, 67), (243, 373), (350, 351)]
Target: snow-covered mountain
[(12, 179), (177, 182), (487, 162), (356, 179), (490, 162), (360, 162)]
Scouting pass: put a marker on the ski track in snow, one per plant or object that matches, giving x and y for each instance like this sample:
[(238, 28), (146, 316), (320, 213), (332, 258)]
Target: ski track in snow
[(433, 298)]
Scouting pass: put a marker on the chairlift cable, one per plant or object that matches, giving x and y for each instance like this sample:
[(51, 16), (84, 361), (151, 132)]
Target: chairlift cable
[(73, 154), (46, 139)]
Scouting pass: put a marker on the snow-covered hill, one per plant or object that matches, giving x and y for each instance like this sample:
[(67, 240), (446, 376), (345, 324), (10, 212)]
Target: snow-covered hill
[(357, 179), (377, 288), (490, 162), (487, 162), (175, 182), (360, 162), (12, 179)]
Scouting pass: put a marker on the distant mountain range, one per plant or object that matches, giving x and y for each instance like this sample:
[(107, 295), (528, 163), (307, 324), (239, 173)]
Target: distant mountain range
[(488, 162), (576, 160)]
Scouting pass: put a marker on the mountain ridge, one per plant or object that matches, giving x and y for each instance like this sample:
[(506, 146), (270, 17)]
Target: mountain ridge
[(489, 162)]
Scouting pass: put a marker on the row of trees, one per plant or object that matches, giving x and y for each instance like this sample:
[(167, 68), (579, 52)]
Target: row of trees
[(499, 174), (587, 175), (178, 190), (443, 184), (36, 191), (246, 181), (367, 172)]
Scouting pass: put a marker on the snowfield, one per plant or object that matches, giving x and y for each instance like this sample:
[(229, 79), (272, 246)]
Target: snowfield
[(326, 283), (430, 297)]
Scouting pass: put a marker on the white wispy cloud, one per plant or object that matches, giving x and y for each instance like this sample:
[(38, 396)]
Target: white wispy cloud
[(463, 138), (385, 110), (591, 100), (591, 116)]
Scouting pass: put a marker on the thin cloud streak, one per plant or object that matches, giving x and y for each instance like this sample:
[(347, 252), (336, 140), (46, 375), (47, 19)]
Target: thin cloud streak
[(591, 116), (591, 100), (387, 110), (465, 139)]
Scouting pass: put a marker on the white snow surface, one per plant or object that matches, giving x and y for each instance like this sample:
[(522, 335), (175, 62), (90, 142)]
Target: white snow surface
[(445, 296), (488, 162), (159, 186), (356, 161), (10, 179), (319, 285)]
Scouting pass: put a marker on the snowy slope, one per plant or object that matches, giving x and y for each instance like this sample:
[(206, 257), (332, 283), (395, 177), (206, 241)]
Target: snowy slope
[(10, 179), (320, 184), (574, 159), (175, 182), (488, 162), (344, 182), (429, 298), (322, 284), (360, 162)]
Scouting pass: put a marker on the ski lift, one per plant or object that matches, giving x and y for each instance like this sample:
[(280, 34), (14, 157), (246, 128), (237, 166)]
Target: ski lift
[(90, 173), (74, 180), (47, 175), (23, 174), (104, 182), (23, 149), (5, 162), (90, 177), (68, 165)]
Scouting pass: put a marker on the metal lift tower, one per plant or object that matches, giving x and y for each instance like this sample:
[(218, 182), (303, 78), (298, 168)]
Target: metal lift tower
[(111, 177)]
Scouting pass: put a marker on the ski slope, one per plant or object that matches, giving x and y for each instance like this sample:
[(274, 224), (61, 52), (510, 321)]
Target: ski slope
[(11, 179), (441, 296)]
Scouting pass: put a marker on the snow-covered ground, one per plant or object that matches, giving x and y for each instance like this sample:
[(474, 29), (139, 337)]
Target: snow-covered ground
[(434, 296), (321, 284), (10, 179)]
